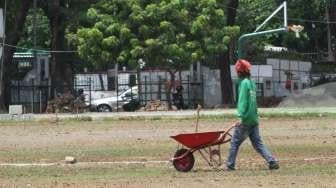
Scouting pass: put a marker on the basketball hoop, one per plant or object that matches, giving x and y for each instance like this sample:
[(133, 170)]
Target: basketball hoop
[(296, 29)]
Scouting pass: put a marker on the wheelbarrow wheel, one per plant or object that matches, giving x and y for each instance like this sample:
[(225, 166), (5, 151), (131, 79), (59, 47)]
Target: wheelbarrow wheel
[(185, 163)]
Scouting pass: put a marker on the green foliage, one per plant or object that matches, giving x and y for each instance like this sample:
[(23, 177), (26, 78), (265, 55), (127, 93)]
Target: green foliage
[(172, 33), (42, 31), (106, 39), (314, 35)]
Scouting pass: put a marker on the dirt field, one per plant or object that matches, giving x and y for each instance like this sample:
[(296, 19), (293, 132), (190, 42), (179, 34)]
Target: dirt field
[(304, 146)]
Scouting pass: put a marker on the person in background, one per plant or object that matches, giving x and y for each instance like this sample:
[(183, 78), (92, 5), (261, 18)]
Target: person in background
[(248, 125), (178, 97)]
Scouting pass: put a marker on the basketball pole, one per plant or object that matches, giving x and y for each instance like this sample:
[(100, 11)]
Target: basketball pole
[(260, 33)]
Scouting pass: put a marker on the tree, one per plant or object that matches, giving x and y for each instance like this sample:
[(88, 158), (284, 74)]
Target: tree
[(225, 57), (313, 36), (166, 34), (110, 36), (42, 30), (63, 17), (332, 14), (17, 11)]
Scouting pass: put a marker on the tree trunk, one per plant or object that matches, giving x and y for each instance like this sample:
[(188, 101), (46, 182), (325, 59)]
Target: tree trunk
[(61, 69), (14, 31), (224, 59), (232, 12), (53, 14), (332, 18), (170, 87), (226, 80)]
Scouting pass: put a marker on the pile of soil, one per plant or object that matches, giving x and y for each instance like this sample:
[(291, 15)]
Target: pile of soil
[(319, 96)]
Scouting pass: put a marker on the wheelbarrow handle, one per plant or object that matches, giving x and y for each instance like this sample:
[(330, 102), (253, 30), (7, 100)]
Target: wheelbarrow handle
[(226, 131), (197, 117)]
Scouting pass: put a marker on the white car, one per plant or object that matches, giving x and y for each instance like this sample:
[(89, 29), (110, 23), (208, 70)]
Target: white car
[(113, 103)]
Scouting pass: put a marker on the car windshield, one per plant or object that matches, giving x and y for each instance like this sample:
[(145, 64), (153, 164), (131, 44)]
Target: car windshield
[(132, 92)]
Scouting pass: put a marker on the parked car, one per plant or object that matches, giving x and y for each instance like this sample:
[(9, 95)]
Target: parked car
[(113, 103)]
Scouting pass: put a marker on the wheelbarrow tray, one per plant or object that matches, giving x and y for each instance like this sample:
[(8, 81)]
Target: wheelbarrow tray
[(199, 139)]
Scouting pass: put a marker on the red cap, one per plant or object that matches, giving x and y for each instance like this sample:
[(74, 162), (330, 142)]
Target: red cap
[(243, 66)]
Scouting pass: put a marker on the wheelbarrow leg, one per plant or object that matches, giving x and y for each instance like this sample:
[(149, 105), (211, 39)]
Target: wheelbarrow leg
[(213, 153), (204, 157), (220, 155)]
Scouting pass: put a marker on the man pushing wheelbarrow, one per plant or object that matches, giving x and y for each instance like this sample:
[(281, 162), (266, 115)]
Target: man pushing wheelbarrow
[(248, 125), (208, 143)]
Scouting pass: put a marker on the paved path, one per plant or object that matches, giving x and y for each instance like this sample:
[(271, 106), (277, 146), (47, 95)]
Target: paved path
[(180, 113)]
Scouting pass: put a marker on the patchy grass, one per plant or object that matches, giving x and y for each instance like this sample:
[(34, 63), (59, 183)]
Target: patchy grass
[(298, 115), (291, 139), (135, 151), (75, 174), (113, 152)]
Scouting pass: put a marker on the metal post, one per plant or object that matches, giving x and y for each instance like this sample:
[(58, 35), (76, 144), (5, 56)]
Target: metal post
[(116, 83), (145, 89), (202, 89), (32, 99), (139, 85), (300, 75), (117, 90), (273, 14), (90, 89), (3, 47), (330, 52), (150, 85), (260, 84), (242, 38), (279, 71), (188, 80), (285, 13), (256, 33), (34, 23), (40, 100), (18, 92), (159, 88), (74, 82), (34, 39)]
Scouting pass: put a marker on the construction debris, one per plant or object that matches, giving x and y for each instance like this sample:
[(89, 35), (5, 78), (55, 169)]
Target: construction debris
[(66, 103), (157, 105), (70, 160)]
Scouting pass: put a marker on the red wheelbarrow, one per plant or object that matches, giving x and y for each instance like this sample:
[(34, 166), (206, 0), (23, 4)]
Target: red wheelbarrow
[(206, 143)]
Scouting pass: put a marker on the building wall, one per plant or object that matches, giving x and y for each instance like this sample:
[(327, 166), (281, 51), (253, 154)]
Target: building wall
[(261, 75), (211, 87), (90, 81)]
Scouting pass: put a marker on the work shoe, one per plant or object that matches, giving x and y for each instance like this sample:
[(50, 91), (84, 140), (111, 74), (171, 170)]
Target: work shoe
[(273, 165), (229, 169)]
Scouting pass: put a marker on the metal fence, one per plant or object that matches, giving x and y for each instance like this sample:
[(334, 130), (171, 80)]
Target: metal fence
[(35, 98), (181, 93)]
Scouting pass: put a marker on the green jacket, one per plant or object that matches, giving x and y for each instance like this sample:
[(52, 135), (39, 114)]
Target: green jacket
[(247, 103)]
